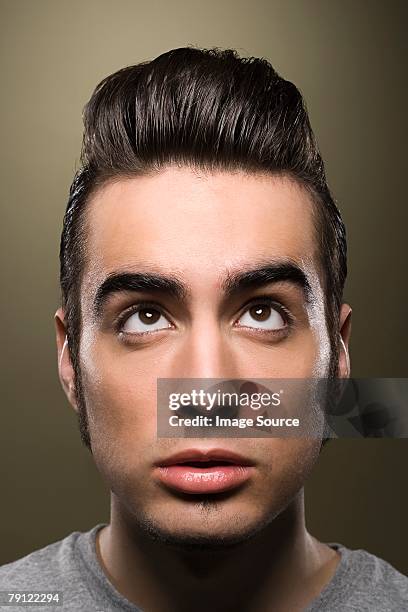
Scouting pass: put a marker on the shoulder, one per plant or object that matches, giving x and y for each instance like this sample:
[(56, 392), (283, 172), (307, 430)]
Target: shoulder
[(383, 578), (49, 567), (374, 584)]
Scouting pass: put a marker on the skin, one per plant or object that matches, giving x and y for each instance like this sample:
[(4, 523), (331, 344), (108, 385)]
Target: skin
[(200, 226)]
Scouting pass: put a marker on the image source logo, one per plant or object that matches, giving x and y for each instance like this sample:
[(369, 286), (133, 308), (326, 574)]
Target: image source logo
[(239, 408), (313, 407)]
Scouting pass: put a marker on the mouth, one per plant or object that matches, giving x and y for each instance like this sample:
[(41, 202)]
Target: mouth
[(196, 471)]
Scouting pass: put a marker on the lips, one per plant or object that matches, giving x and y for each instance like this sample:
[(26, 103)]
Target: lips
[(197, 471)]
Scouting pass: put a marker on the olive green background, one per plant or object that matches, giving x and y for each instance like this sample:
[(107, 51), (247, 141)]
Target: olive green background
[(349, 60)]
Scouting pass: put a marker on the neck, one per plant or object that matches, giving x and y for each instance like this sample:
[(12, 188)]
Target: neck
[(281, 564)]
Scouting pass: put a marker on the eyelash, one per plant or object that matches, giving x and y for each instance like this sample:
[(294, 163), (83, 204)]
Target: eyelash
[(259, 300), (269, 301), (126, 314)]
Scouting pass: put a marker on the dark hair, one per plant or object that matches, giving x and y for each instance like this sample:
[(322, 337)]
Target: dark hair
[(203, 108)]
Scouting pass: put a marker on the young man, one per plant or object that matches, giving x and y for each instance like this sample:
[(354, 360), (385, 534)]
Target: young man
[(200, 241)]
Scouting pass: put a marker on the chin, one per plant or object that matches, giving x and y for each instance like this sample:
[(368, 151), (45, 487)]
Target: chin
[(195, 540), (202, 526)]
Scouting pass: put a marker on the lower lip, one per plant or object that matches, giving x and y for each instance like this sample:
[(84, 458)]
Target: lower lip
[(215, 479)]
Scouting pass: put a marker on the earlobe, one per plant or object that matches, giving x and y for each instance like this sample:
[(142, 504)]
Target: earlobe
[(344, 332), (65, 369)]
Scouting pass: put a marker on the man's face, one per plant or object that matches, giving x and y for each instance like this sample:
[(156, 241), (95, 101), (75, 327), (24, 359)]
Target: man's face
[(200, 229)]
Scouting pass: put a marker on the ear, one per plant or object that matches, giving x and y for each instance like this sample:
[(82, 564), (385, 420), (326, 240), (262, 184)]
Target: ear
[(345, 332), (65, 369)]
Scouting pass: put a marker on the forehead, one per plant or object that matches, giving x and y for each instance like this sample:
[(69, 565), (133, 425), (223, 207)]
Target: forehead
[(195, 223)]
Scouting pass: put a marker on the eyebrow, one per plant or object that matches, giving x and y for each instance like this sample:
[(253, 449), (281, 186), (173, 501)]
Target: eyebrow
[(232, 285)]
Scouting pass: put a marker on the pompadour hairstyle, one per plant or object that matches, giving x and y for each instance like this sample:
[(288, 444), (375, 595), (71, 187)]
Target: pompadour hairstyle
[(209, 109)]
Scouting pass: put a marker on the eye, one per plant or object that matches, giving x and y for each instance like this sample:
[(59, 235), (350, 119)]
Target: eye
[(145, 319), (263, 316)]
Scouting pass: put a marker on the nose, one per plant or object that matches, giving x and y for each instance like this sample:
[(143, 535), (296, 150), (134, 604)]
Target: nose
[(205, 351)]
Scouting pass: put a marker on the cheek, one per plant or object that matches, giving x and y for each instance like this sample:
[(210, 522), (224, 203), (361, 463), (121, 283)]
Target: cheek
[(122, 412), (296, 456), (301, 357), (290, 463)]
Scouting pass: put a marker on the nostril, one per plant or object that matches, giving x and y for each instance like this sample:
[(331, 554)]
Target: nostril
[(189, 411), (223, 411), (249, 387)]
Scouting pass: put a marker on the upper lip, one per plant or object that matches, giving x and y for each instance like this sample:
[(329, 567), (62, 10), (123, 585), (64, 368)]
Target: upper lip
[(203, 455)]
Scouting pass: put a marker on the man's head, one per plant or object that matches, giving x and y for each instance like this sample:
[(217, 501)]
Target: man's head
[(200, 240)]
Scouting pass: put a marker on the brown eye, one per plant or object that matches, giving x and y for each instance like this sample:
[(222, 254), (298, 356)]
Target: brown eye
[(260, 313), (144, 320), (149, 315), (263, 316)]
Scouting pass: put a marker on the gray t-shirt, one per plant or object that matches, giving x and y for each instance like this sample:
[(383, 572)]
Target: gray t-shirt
[(362, 581)]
